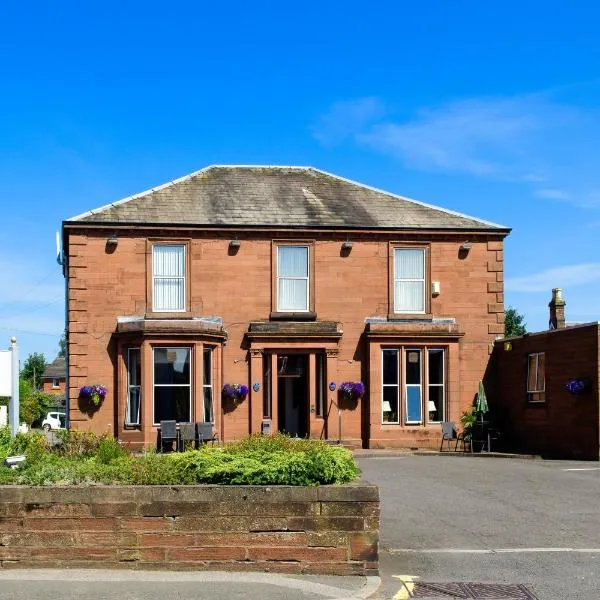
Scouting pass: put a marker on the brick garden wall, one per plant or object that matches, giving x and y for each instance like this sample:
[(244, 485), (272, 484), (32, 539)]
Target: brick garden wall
[(328, 529)]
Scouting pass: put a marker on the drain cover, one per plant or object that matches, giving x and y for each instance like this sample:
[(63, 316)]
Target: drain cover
[(482, 591)]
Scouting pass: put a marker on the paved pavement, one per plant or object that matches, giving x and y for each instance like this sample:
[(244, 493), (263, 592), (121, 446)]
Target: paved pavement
[(54, 584), (486, 520)]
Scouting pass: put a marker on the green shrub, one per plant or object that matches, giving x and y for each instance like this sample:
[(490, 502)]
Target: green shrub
[(84, 458)]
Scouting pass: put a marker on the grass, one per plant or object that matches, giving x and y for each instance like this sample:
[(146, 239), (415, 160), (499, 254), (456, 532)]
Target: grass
[(82, 458)]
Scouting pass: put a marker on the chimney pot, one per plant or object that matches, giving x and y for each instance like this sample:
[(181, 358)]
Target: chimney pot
[(557, 309)]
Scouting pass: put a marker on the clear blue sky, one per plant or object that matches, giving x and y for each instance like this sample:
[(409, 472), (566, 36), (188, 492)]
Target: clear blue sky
[(488, 109)]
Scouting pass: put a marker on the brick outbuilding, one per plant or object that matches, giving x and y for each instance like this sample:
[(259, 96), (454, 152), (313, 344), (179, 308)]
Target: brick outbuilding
[(290, 281)]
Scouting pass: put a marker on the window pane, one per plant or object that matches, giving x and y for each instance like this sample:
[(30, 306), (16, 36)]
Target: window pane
[(436, 366), (133, 406), (390, 366), (208, 405), (292, 261), (320, 383), (390, 404), (531, 372), (436, 395), (168, 260), (172, 365), (169, 294), (172, 403), (293, 294), (207, 367), (134, 369), (409, 296), (413, 404), (267, 386), (413, 367), (541, 375), (409, 263)]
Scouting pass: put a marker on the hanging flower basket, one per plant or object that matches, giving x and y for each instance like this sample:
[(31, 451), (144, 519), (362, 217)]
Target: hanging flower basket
[(235, 392), (578, 386), (351, 392), (94, 393)]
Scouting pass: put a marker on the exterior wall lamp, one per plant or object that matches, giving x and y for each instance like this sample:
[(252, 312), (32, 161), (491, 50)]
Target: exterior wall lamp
[(347, 246), (235, 245), (112, 241), (465, 246)]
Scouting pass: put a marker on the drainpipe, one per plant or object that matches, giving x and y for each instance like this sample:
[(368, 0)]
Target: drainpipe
[(62, 260)]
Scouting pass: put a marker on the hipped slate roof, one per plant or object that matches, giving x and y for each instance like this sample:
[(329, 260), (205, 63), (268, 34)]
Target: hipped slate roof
[(57, 368), (254, 196)]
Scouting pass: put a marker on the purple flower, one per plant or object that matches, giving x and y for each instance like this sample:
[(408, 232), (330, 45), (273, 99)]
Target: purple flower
[(235, 391), (95, 393), (352, 390)]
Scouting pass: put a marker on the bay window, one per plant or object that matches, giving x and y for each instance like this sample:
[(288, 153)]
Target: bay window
[(172, 384), (134, 382), (207, 384), (413, 385)]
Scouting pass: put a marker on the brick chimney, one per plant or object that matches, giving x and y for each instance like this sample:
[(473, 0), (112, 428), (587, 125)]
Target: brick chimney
[(557, 310)]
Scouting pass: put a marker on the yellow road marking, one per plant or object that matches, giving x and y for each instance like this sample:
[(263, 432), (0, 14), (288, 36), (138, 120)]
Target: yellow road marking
[(408, 585)]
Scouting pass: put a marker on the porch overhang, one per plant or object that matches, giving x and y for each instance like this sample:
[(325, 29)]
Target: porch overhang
[(207, 327), (284, 333), (439, 328)]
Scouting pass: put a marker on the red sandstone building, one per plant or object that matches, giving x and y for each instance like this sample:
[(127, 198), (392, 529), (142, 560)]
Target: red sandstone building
[(290, 281)]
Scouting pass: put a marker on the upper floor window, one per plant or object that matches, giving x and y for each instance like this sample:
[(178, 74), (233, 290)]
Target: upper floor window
[(536, 377), (409, 280), (55, 382), (168, 277), (292, 278)]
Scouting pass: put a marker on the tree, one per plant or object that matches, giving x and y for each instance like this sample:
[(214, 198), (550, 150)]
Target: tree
[(33, 369), (62, 346), (514, 323), (33, 404)]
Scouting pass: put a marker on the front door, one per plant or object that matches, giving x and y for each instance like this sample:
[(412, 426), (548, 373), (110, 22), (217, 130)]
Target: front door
[(292, 394)]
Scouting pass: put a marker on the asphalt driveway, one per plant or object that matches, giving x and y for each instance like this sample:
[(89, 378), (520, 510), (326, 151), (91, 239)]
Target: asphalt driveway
[(487, 520)]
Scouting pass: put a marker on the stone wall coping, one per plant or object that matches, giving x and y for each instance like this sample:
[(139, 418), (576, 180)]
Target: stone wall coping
[(188, 493)]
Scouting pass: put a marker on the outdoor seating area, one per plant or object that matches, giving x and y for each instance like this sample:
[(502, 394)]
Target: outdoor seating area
[(174, 436)]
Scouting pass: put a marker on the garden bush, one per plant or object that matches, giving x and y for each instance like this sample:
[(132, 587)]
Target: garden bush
[(86, 459)]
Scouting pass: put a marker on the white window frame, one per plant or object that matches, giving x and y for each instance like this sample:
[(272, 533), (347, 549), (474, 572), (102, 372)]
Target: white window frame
[(188, 385), (307, 278), (55, 383), (209, 385), (395, 385), (440, 385), (129, 388), (413, 385), (404, 279), (179, 277), (537, 365)]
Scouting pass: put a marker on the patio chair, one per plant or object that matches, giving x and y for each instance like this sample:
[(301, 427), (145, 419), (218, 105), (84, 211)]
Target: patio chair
[(450, 434), (187, 433), (168, 435), (206, 433)]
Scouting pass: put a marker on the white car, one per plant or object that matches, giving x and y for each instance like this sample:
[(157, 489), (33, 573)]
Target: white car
[(54, 420)]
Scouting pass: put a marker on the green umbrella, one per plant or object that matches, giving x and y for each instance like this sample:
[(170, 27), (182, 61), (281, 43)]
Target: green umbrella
[(481, 406)]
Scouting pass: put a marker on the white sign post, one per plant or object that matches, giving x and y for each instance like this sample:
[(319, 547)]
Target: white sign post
[(9, 382)]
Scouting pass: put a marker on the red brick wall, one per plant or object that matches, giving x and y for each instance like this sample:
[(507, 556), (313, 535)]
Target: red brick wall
[(565, 425), (48, 388), (329, 530), (103, 286)]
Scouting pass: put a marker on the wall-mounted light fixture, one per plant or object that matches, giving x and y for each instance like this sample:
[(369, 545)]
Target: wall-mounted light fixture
[(507, 346), (347, 246), (235, 245), (112, 240), (465, 246), (435, 288)]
